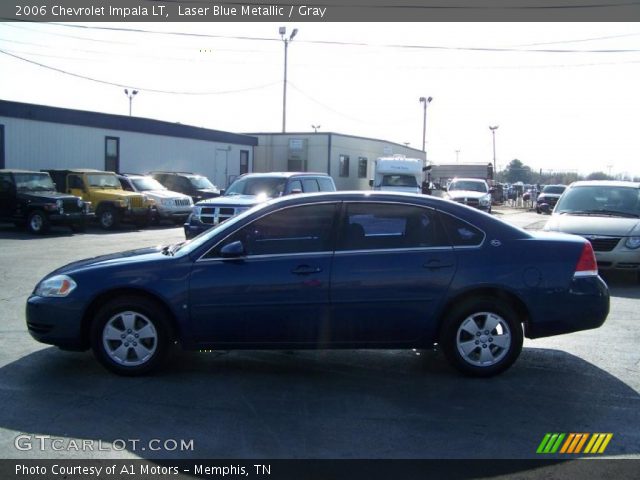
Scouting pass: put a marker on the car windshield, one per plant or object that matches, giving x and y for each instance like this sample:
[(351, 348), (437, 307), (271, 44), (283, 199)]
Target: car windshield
[(468, 185), (554, 189), (399, 181), (269, 187), (599, 199), (202, 183), (147, 183), (35, 182), (103, 180)]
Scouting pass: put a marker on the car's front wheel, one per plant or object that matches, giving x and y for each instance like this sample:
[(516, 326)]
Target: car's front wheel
[(109, 218), (130, 336), (38, 223), (482, 337)]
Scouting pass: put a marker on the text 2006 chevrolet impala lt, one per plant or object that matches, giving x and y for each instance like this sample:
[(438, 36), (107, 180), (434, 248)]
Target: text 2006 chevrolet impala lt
[(329, 270)]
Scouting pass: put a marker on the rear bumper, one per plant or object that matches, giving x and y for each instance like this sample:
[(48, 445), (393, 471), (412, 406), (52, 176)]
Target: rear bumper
[(583, 307)]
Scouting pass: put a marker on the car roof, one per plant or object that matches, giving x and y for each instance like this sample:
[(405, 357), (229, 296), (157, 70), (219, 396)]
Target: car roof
[(77, 170), (283, 174), (467, 179), (605, 183), (18, 170)]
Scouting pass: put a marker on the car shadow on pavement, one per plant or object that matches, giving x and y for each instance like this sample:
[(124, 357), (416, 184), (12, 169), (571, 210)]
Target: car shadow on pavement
[(313, 404)]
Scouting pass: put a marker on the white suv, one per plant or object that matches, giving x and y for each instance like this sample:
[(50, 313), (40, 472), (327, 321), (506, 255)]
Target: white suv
[(168, 205)]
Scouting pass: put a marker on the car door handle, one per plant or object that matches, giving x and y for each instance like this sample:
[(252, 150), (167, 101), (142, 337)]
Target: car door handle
[(305, 270), (436, 264)]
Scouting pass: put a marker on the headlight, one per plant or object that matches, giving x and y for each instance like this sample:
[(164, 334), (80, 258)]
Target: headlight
[(80, 203), (632, 242), (56, 286), (59, 204), (195, 214), (486, 200), (167, 202)]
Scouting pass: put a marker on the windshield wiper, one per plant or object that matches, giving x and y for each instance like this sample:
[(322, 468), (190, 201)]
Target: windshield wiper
[(612, 213)]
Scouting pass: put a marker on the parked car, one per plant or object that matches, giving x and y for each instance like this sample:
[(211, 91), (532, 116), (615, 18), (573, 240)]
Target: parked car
[(549, 196), (607, 213), (109, 201), (30, 198), (198, 187), (329, 270), (249, 190), (474, 192), (166, 205)]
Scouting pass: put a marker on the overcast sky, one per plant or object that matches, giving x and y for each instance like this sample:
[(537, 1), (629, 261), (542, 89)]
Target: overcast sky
[(574, 104)]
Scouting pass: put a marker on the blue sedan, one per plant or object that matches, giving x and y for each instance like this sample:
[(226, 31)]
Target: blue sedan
[(329, 270)]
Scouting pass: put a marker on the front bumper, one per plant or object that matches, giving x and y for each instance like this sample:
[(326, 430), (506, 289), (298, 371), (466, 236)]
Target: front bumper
[(194, 229), (70, 218), (55, 321)]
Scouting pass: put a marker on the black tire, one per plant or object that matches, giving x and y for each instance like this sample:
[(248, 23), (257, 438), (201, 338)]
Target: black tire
[(38, 223), (114, 341), (474, 350), (108, 218)]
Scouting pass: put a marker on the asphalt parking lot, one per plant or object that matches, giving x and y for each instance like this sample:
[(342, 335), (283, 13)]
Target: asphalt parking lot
[(326, 404)]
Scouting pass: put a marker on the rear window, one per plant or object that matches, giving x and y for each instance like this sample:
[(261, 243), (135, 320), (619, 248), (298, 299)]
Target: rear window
[(461, 233), (326, 184), (555, 189)]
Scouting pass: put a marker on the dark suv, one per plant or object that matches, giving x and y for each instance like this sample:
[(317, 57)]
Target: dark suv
[(30, 198), (249, 190), (198, 187)]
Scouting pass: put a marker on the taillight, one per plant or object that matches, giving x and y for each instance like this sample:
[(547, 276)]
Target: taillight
[(587, 265)]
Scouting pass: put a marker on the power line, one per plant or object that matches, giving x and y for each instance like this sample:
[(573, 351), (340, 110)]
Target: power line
[(353, 44), (128, 85)]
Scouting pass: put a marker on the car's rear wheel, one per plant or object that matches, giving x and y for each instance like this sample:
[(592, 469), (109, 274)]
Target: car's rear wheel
[(130, 336), (482, 337)]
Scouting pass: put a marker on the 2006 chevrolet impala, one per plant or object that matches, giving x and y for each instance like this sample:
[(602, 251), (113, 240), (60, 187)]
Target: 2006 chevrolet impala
[(329, 270)]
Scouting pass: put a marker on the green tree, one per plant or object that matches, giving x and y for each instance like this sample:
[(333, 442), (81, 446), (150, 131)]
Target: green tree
[(517, 171), (598, 176)]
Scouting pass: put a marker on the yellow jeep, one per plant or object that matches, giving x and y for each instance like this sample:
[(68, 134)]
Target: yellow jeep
[(109, 201)]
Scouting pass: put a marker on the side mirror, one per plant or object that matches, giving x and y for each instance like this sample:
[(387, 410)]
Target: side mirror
[(371, 183), (233, 250), (544, 208), (222, 191)]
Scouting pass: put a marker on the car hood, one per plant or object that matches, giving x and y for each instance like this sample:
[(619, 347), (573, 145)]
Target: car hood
[(466, 194), (45, 195), (235, 200), (591, 225), (208, 191), (164, 194), (138, 255)]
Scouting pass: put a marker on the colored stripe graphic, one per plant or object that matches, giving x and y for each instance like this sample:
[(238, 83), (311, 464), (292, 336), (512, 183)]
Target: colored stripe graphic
[(598, 443), (552, 442)]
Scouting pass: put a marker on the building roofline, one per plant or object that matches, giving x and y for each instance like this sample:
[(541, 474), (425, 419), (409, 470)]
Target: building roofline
[(108, 121), (337, 134)]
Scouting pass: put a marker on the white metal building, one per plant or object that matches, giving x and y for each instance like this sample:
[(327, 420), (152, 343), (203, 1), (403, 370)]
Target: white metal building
[(348, 159), (34, 137)]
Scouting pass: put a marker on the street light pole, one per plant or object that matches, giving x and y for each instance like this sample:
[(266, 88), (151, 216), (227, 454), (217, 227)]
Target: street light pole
[(283, 31), (425, 102), (457, 153), (493, 131), (130, 95), (315, 128)]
